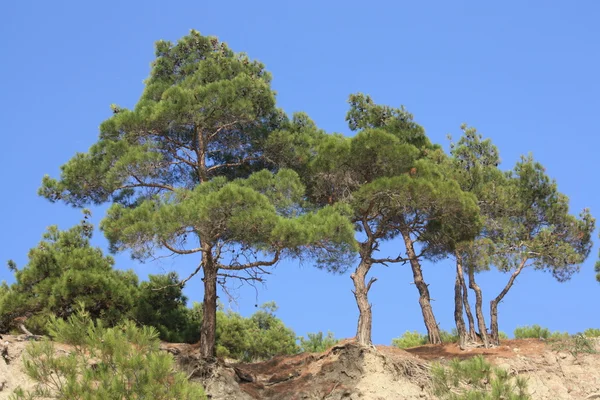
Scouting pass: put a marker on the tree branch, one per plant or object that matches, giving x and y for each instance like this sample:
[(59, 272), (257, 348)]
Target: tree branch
[(215, 133), (255, 264), (179, 251), (235, 164)]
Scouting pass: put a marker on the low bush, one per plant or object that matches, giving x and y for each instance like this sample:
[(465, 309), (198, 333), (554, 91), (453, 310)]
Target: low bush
[(476, 379), (592, 332), (410, 339), (316, 342), (537, 332), (123, 362), (414, 339)]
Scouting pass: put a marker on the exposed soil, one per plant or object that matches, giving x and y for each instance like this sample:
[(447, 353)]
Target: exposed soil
[(348, 371)]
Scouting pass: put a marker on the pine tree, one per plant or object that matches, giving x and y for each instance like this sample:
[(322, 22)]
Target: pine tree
[(64, 269), (184, 173), (389, 175), (538, 232), (526, 222)]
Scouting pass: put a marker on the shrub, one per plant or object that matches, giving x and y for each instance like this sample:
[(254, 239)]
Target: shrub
[(63, 270), (502, 335), (592, 332), (414, 339), (161, 304), (410, 339), (259, 337), (123, 362), (537, 332), (449, 337), (531, 332), (476, 379), (316, 342), (576, 344)]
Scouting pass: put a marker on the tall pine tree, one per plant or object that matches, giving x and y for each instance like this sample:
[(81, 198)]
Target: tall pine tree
[(184, 173)]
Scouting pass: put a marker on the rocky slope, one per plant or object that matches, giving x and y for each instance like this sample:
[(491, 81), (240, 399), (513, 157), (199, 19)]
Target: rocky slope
[(348, 371)]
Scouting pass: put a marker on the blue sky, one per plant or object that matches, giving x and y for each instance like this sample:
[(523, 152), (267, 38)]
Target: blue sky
[(523, 73)]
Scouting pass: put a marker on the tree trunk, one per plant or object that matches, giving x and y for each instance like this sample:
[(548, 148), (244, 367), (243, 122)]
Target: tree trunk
[(361, 291), (461, 299), (461, 328), (208, 328), (494, 304), (465, 293), (433, 330), (479, 308)]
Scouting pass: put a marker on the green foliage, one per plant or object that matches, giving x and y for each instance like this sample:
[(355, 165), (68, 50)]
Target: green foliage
[(107, 363), (449, 337), (64, 269), (410, 339), (162, 305), (537, 332), (476, 379), (414, 339), (174, 169), (317, 342), (502, 335), (259, 337), (592, 332), (575, 344)]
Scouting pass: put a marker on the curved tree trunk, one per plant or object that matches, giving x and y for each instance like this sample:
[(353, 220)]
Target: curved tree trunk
[(361, 291), (494, 304), (479, 308), (208, 327), (433, 330)]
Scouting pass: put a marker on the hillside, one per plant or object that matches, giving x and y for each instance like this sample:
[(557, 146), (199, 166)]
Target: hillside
[(348, 371)]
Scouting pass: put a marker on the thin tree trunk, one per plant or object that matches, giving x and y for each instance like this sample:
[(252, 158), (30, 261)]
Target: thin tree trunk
[(461, 328), (208, 327), (361, 291), (494, 303), (433, 330), (479, 308), (465, 292)]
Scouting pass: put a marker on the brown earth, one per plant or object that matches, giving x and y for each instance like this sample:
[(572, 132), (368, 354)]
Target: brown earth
[(348, 371)]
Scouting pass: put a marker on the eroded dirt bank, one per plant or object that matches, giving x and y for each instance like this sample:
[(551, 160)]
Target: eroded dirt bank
[(348, 371)]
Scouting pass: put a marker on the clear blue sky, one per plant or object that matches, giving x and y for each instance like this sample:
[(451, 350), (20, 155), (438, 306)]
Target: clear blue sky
[(524, 75)]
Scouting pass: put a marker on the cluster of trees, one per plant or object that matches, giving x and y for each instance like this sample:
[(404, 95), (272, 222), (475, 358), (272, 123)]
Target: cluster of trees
[(206, 165)]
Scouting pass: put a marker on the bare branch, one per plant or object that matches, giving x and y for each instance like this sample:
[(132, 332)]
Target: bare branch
[(255, 264), (371, 281), (389, 260), (180, 251), (215, 133), (235, 164)]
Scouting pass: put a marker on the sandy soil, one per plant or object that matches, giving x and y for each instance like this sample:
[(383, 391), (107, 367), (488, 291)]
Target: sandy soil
[(348, 371)]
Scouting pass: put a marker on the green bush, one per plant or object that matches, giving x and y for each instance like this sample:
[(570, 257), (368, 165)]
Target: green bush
[(123, 362), (476, 379), (449, 337), (259, 337), (592, 332), (63, 270), (161, 304), (316, 342), (414, 339), (502, 335), (537, 332), (410, 339), (576, 344)]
